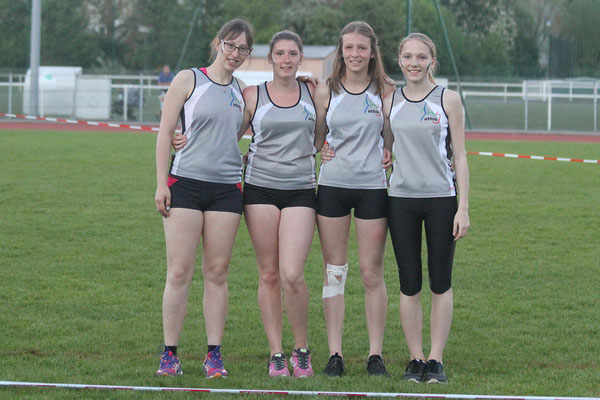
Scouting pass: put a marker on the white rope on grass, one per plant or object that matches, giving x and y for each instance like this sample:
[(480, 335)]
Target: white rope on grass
[(290, 392)]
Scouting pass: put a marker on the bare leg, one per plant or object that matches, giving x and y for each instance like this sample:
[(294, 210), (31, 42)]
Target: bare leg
[(411, 316), (263, 225), (372, 235), (441, 320), (183, 229), (333, 233), (219, 233), (296, 231)]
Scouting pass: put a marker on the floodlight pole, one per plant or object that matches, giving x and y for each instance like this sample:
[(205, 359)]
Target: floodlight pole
[(456, 76), (34, 56), (189, 34), (408, 17)]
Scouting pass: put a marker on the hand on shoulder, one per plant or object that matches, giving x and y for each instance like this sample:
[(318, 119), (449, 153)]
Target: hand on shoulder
[(322, 92)]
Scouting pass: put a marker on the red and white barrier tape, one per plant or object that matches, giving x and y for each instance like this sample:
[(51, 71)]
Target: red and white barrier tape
[(155, 129), (292, 392), (484, 153), (77, 122)]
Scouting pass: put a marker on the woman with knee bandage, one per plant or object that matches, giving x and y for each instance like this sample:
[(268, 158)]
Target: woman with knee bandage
[(426, 122), (349, 118)]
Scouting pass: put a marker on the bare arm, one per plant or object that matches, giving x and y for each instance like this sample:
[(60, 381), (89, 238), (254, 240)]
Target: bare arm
[(388, 136), (454, 110), (321, 100), (250, 97), (178, 92)]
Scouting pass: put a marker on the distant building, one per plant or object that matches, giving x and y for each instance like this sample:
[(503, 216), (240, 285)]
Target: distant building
[(317, 62)]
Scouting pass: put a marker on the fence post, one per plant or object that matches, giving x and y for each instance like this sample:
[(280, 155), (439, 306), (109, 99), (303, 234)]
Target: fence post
[(549, 106), (10, 92), (526, 95), (596, 106), (570, 91), (141, 98), (125, 103)]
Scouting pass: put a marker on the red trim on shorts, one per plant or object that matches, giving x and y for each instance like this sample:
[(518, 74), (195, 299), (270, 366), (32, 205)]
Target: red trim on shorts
[(171, 181), (239, 186)]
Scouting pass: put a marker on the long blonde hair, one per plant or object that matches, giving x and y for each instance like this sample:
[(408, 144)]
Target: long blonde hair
[(376, 72), (430, 45)]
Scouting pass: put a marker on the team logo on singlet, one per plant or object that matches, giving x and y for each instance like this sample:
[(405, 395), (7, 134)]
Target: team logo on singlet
[(429, 115), (371, 107), (235, 102), (308, 115)]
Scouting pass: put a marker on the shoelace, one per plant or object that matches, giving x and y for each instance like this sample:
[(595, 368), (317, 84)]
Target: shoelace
[(215, 359), (333, 361), (168, 361), (302, 358), (278, 361), (414, 365)]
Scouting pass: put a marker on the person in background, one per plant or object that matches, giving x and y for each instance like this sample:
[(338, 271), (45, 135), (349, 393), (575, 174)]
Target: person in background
[(165, 77), (279, 198), (199, 196), (426, 121), (350, 119)]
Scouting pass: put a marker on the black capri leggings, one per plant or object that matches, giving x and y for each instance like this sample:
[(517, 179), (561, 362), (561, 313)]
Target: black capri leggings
[(405, 219)]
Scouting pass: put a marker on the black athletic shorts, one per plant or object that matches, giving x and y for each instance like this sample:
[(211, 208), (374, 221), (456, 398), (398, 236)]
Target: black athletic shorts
[(279, 197), (338, 202), (406, 218), (205, 196)]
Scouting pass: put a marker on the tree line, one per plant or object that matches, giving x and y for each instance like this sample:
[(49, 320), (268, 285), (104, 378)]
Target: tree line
[(502, 39)]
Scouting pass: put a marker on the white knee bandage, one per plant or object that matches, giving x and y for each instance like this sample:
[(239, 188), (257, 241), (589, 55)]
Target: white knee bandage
[(336, 280)]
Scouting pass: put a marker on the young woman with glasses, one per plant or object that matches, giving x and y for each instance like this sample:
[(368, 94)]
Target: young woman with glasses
[(199, 194)]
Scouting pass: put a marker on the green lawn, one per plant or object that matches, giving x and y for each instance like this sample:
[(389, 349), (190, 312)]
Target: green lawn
[(83, 268)]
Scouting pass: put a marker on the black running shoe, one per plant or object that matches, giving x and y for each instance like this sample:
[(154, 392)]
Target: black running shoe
[(376, 367), (414, 371), (335, 366), (434, 372)]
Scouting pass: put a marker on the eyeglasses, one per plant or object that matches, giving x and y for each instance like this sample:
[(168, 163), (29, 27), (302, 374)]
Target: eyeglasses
[(230, 48)]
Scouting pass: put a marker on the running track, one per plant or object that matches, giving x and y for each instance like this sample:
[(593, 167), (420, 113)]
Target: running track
[(473, 135)]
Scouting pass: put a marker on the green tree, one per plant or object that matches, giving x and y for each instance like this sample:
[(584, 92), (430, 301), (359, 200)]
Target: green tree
[(578, 21), (156, 32), (318, 22), (65, 35), (15, 21), (525, 52), (388, 20)]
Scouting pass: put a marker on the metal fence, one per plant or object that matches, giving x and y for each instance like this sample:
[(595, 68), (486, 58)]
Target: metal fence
[(540, 105)]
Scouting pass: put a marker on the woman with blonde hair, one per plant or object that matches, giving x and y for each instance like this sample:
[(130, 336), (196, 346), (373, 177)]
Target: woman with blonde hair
[(429, 171)]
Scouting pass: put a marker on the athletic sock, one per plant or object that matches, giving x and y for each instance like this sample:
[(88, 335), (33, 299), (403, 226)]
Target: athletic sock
[(172, 349), (211, 347)]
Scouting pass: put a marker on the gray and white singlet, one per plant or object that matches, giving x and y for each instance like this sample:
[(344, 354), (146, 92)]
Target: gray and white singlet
[(354, 122), (282, 152), (211, 118), (422, 147)]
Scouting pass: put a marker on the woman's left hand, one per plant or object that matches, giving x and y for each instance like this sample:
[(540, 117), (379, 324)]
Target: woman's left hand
[(461, 224), (327, 153), (387, 159), (308, 79), (178, 141)]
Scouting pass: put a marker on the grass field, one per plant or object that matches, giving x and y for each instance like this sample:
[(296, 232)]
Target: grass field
[(83, 267)]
